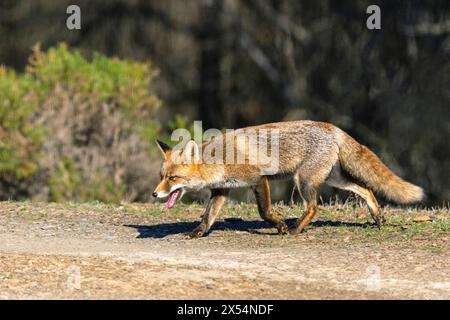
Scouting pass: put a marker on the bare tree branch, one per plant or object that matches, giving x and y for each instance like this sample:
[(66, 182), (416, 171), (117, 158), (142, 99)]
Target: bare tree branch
[(282, 21), (427, 28), (259, 57)]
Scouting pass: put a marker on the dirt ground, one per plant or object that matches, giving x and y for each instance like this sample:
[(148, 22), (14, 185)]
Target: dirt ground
[(131, 251)]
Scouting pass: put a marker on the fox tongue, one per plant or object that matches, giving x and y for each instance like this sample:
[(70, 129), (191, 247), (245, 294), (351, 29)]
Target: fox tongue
[(172, 199)]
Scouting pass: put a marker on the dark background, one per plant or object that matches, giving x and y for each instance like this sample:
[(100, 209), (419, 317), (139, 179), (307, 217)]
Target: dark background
[(234, 63)]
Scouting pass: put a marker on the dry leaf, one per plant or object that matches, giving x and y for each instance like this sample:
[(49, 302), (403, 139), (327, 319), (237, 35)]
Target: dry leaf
[(422, 219), (360, 214)]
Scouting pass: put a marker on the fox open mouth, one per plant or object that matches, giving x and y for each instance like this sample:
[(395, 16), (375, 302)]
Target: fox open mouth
[(173, 198)]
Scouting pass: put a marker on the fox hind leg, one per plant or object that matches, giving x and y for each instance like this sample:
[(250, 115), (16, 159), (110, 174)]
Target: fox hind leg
[(298, 186), (309, 196), (338, 180), (371, 201), (262, 195), (308, 180), (291, 201)]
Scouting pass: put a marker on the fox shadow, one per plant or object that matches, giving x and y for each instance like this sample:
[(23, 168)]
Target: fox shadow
[(232, 224)]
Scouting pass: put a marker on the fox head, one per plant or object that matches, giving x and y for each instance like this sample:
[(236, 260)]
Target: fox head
[(179, 172)]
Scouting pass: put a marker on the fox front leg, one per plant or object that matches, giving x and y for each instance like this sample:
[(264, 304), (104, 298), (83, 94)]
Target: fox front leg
[(218, 197), (262, 195)]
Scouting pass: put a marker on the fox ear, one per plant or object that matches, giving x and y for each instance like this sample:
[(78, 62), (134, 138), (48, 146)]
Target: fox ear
[(164, 148), (191, 152)]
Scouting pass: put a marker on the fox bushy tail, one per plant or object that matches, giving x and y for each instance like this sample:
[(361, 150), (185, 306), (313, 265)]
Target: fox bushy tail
[(361, 163)]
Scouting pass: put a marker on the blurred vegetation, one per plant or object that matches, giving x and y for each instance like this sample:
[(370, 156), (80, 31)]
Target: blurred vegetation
[(19, 140), (76, 128), (232, 63)]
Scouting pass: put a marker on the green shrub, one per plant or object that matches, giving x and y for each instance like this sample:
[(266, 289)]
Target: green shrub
[(77, 128), (19, 139)]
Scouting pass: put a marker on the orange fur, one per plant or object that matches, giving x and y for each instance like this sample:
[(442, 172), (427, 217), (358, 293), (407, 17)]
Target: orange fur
[(312, 152)]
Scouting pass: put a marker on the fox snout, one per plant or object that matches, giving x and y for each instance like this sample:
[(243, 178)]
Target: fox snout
[(174, 193), (162, 190), (160, 194)]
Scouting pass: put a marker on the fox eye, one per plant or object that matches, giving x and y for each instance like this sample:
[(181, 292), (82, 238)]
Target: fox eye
[(171, 178)]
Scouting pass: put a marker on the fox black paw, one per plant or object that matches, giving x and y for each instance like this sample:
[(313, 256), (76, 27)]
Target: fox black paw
[(380, 221), (197, 233), (282, 228), (296, 230)]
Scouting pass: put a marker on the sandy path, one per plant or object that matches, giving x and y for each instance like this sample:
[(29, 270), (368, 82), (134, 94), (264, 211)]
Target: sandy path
[(112, 261)]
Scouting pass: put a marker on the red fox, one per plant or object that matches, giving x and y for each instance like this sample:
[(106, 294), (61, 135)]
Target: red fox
[(310, 152)]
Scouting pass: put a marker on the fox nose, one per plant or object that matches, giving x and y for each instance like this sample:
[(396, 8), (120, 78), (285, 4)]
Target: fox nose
[(154, 194)]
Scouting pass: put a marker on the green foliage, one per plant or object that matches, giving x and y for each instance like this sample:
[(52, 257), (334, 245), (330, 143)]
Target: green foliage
[(67, 183), (181, 121), (65, 180), (19, 140), (107, 79), (102, 106)]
